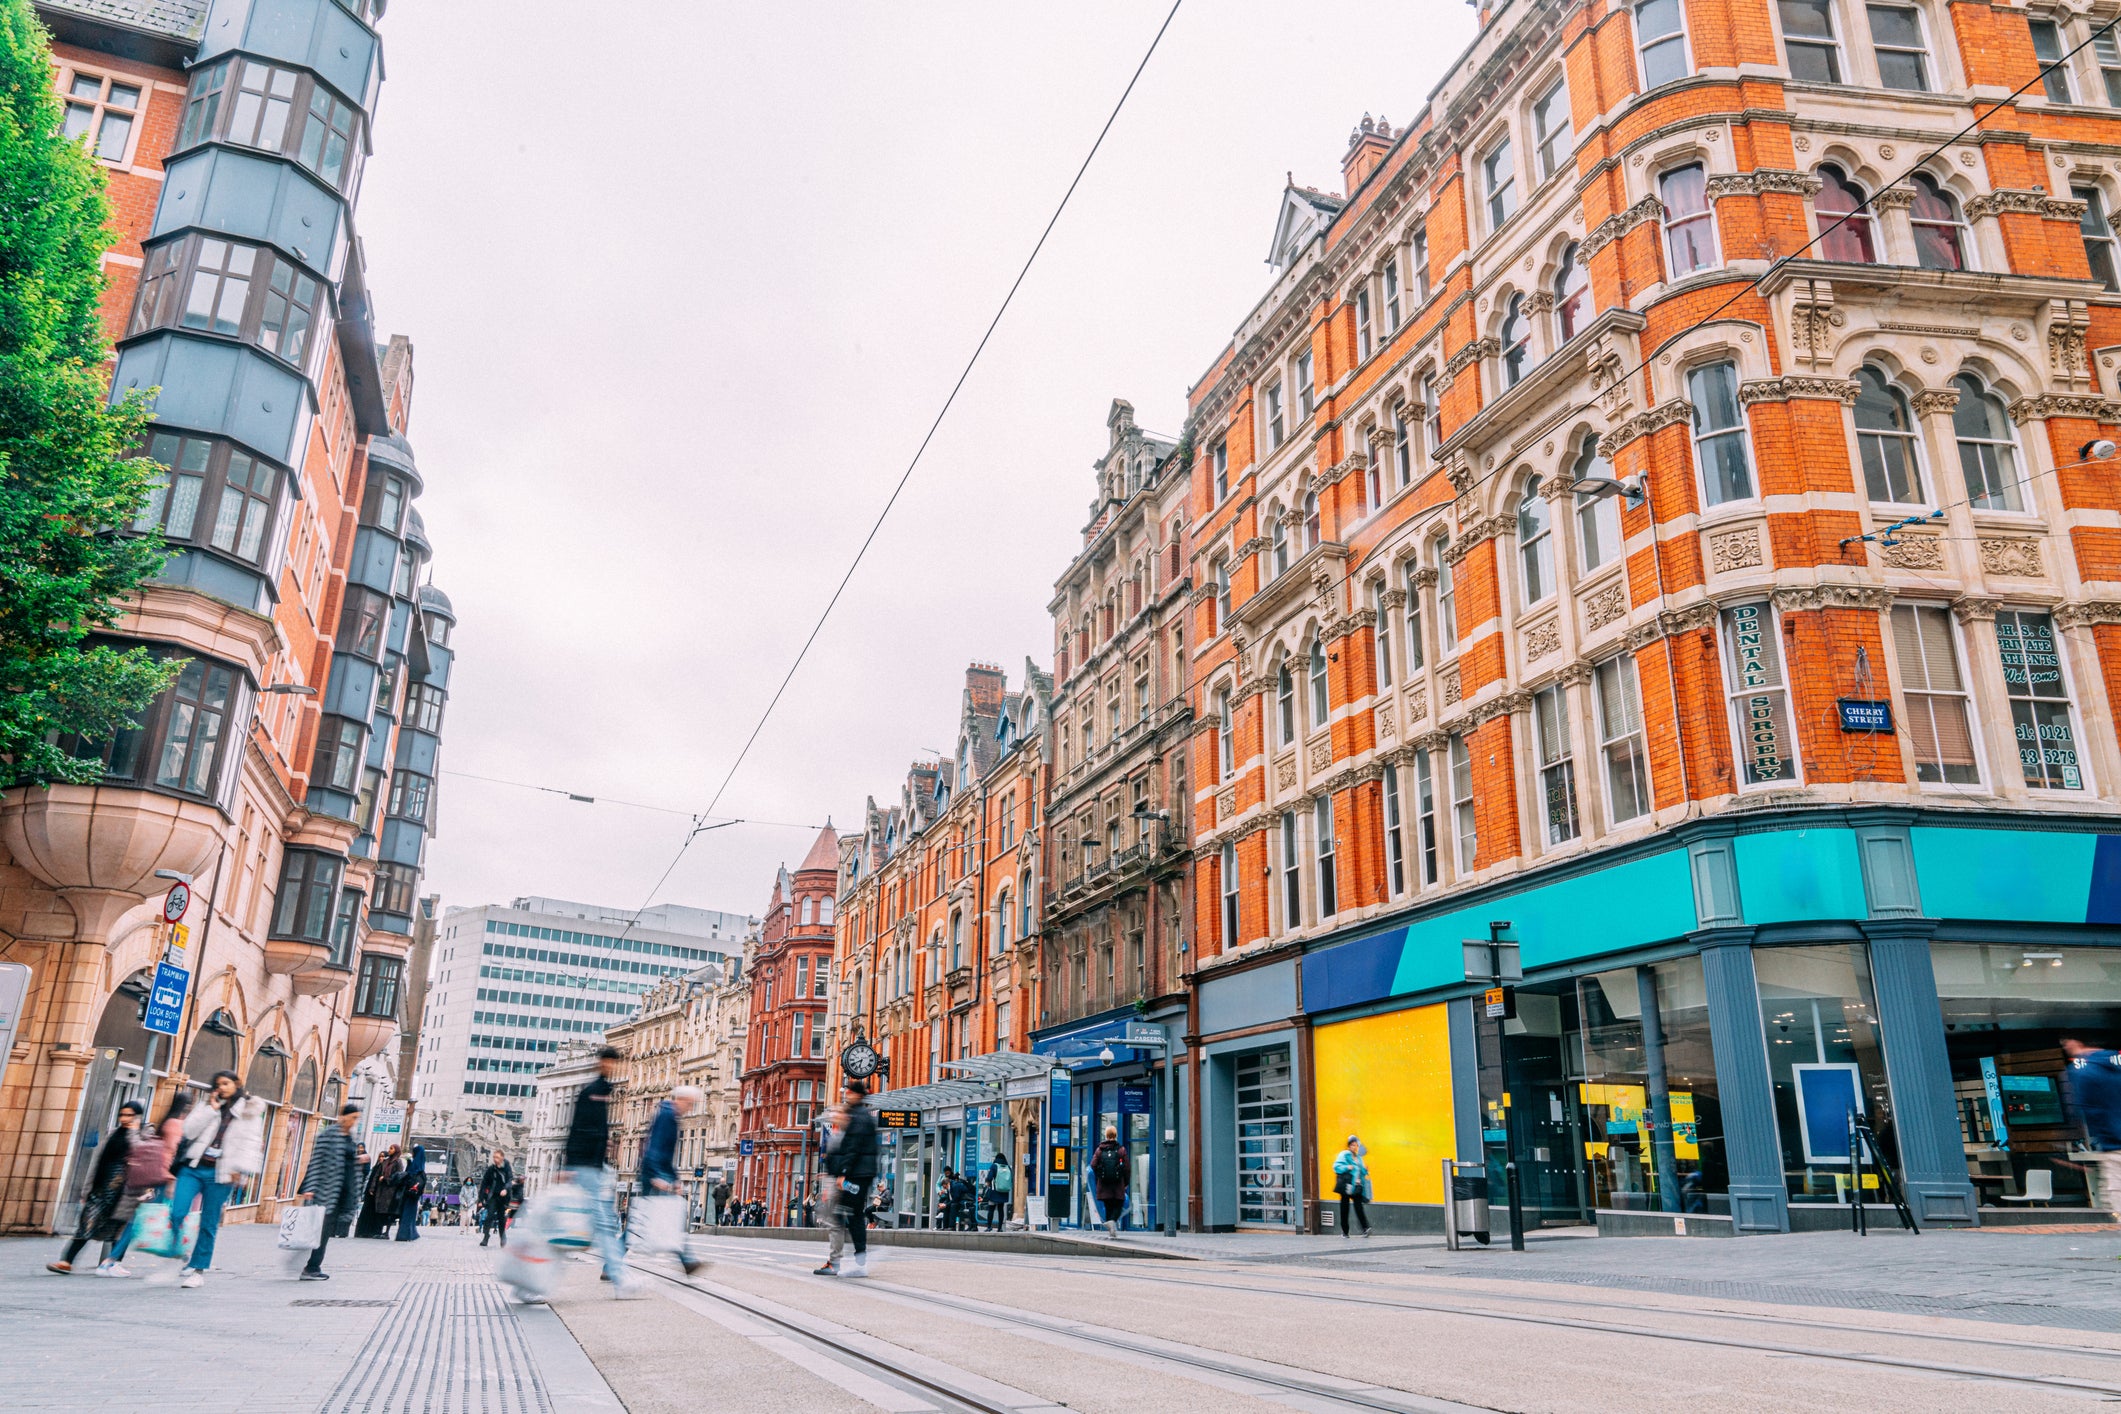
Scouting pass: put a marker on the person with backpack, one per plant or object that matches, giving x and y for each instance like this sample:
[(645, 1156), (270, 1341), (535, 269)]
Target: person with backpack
[(223, 1143), (108, 1208), (149, 1162), (1351, 1180), (1108, 1175)]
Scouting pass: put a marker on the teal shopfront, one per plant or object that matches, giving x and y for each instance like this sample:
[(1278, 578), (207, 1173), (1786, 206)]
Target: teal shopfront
[(1699, 1014)]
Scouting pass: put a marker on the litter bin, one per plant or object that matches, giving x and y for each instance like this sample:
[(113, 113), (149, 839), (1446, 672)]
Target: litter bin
[(1465, 1211)]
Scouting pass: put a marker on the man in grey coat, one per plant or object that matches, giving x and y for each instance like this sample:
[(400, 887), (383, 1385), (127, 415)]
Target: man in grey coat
[(329, 1182)]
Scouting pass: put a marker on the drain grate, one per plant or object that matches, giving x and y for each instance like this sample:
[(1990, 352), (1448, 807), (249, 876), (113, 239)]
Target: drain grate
[(321, 1301), (448, 1347)]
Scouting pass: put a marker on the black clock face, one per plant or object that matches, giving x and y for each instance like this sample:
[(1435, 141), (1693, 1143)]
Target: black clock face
[(859, 1060)]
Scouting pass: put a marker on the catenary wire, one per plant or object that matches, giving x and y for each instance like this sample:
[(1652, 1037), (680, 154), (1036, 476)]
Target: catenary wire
[(580, 798), (907, 475)]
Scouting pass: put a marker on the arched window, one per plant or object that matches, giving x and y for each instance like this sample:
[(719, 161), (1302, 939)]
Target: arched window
[(1535, 546), (809, 912), (1402, 447), (1597, 516), (1321, 698), (1415, 654), (1225, 733), (1516, 343), (1572, 294), (1285, 702), (1373, 479), (1940, 230), (1987, 454), (1312, 525), (1003, 917), (1840, 200), (1280, 558), (1689, 225), (1446, 598), (824, 909), (1023, 902), (1885, 441)]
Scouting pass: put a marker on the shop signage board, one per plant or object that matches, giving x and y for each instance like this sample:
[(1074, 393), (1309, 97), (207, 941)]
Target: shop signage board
[(1134, 1099), (387, 1126), (1752, 640), (165, 999), (1994, 1090), (1144, 1033), (1861, 716), (1826, 1094)]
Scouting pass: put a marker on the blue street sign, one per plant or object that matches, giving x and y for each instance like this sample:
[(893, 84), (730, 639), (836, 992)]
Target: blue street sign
[(745, 1146), (1861, 716), (165, 1000)]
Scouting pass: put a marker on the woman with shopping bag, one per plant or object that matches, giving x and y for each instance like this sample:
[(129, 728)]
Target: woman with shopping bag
[(109, 1206), (149, 1164), (223, 1143), (329, 1192)]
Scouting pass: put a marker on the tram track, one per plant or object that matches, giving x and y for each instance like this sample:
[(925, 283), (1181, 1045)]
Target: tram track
[(988, 1309)]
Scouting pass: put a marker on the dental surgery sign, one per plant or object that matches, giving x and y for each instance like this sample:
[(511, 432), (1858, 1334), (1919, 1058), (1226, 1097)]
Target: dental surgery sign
[(1757, 665)]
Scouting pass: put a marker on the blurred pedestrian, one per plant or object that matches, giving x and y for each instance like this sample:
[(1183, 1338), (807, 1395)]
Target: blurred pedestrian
[(660, 1212), (331, 1182), (412, 1195), (1351, 1180), (108, 1208), (2093, 1083), (161, 1152), (497, 1186), (585, 1160), (720, 1195), (223, 1143), (850, 1164), (381, 1196), (1108, 1175)]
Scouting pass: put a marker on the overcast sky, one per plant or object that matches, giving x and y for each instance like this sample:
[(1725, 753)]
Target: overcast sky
[(686, 287)]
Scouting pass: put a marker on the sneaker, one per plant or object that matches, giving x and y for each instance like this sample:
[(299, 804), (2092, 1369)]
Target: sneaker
[(308, 1275), (690, 1264), (191, 1278), (860, 1267), (62, 1268), (1366, 1232), (629, 1291), (828, 1270)]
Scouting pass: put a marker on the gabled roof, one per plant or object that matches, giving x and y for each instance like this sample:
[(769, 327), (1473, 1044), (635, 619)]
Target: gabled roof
[(179, 19), (824, 854), (1304, 212)]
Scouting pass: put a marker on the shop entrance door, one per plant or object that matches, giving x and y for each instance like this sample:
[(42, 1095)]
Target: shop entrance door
[(1266, 1140)]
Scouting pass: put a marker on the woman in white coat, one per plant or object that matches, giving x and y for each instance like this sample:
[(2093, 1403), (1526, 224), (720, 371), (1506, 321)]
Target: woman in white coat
[(224, 1141)]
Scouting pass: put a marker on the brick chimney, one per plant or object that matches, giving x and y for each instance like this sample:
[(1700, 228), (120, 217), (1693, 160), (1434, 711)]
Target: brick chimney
[(985, 682), (1367, 146)]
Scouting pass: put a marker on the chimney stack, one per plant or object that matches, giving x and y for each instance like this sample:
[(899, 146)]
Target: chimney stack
[(1367, 146)]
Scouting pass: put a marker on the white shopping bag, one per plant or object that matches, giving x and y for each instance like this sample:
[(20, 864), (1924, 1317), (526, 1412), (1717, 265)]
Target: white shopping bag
[(301, 1229), (564, 1216), (658, 1221)]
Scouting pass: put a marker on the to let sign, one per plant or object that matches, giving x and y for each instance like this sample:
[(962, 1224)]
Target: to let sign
[(165, 999)]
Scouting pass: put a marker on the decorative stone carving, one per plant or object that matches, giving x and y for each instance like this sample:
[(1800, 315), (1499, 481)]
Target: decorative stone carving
[(1669, 414), (1385, 727), (1450, 686), (1996, 203), (1321, 754), (1539, 302), (2101, 611), (1541, 639), (1736, 550), (1614, 227), (1970, 607), (1893, 198), (1811, 597), (1392, 599), (1812, 320), (1285, 773), (1913, 552), (1477, 533), (1226, 805), (1417, 704), (1795, 385), (1576, 674), (1692, 619), (1931, 401), (1608, 605), (2018, 558), (1765, 179), (1471, 354), (1642, 636), (2087, 406), (2062, 208), (2067, 324), (1425, 577)]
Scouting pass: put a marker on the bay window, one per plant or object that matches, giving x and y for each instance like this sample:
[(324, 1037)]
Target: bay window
[(362, 621), (423, 707), (340, 745), (230, 288), (307, 900), (376, 988), (395, 886), (188, 740), (255, 104)]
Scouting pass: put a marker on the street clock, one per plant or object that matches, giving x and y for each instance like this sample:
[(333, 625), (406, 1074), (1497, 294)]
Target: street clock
[(859, 1061)]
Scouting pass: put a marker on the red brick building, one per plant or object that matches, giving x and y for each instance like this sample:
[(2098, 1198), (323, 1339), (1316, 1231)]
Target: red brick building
[(786, 1041)]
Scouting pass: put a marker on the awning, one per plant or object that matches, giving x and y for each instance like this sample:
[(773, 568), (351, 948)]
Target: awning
[(998, 1066)]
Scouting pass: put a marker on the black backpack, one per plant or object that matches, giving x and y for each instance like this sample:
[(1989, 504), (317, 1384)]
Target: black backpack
[(1110, 1164)]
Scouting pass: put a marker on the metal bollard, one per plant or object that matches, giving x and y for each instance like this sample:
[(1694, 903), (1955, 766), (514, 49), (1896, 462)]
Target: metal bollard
[(1509, 1173)]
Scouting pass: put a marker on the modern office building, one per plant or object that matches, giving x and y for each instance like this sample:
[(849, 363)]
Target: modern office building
[(288, 770), (511, 984), (1704, 572)]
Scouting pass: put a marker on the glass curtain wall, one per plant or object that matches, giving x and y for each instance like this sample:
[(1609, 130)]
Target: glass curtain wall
[(1653, 1128)]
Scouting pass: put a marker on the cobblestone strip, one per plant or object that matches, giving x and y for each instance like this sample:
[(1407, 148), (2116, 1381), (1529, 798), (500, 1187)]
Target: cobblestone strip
[(447, 1347)]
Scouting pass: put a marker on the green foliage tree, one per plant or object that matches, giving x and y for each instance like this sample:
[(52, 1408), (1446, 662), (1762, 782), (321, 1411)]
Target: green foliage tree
[(70, 485)]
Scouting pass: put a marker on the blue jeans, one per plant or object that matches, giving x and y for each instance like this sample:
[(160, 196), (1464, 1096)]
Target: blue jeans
[(198, 1183), (601, 1184)]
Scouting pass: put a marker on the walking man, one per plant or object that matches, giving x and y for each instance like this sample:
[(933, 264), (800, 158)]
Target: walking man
[(2093, 1081), (851, 1168), (496, 1186), (332, 1183), (1108, 1171), (659, 1213), (721, 1200), (585, 1160)]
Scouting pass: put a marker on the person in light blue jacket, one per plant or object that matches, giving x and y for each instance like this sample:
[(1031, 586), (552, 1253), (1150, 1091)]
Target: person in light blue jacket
[(1351, 1180)]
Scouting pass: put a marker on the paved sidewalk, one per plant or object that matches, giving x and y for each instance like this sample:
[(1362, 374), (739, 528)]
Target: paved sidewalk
[(400, 1327)]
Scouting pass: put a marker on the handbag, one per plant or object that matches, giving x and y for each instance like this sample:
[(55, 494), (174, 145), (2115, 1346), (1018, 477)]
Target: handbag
[(154, 1234), (147, 1163), (568, 1217), (659, 1223), (301, 1229)]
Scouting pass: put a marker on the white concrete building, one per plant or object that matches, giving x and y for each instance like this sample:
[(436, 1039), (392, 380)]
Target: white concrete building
[(512, 983)]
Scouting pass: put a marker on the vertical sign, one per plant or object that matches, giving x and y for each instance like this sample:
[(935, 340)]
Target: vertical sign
[(1059, 1117), (1756, 663), (1993, 1088)]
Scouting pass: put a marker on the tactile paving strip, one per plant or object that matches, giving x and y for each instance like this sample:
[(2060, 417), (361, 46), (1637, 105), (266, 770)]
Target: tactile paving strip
[(448, 1347)]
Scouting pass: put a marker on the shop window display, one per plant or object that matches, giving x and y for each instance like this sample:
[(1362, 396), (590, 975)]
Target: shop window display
[(1820, 1018), (2007, 1008)]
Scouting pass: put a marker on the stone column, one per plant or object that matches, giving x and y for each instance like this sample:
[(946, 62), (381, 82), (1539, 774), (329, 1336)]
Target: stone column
[(1752, 1147)]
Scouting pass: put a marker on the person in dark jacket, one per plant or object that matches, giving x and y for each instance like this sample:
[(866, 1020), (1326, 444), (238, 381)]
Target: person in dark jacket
[(108, 1208), (332, 1182), (381, 1195), (585, 1160), (414, 1189), (659, 1169), (851, 1163), (497, 1189), (2093, 1082), (721, 1201), (1108, 1175)]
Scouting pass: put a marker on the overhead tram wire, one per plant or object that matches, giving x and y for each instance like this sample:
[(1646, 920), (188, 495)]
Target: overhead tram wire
[(1199, 685), (699, 821), (582, 799)]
